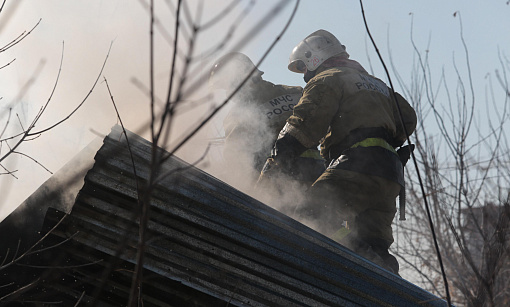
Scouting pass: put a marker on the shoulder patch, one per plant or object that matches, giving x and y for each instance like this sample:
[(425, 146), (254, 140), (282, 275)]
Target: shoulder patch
[(367, 82), (282, 105)]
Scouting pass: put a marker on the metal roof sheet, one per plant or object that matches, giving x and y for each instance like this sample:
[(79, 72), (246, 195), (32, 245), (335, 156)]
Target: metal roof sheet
[(207, 245)]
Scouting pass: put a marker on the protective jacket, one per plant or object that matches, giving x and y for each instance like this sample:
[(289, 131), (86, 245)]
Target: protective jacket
[(344, 108), (257, 116), (354, 117)]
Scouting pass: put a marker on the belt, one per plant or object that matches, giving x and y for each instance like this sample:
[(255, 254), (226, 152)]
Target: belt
[(359, 136), (373, 142)]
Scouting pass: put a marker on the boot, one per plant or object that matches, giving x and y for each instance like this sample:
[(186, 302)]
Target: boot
[(375, 253), (390, 262)]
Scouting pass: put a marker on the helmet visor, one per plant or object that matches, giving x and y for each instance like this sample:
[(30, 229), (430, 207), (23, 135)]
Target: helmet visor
[(297, 66)]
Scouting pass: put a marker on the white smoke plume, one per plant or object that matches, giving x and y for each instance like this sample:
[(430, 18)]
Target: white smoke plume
[(81, 34), (84, 51)]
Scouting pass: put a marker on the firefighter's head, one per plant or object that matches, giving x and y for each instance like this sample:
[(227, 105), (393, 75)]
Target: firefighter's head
[(314, 50), (231, 69)]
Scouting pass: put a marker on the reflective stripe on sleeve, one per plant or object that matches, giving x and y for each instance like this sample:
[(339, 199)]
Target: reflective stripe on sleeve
[(300, 136), (312, 153)]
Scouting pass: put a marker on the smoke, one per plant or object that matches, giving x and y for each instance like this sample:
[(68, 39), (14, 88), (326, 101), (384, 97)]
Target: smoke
[(82, 41), (81, 34), (248, 131), (250, 127)]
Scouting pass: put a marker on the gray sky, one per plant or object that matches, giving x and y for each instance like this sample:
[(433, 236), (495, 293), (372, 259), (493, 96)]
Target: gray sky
[(88, 27)]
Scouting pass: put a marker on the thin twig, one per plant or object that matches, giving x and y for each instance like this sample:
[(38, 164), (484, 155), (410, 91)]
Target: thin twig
[(8, 63), (19, 38), (84, 99), (29, 250), (33, 159)]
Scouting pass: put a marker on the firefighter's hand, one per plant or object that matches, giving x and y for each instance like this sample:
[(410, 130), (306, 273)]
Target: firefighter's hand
[(285, 150)]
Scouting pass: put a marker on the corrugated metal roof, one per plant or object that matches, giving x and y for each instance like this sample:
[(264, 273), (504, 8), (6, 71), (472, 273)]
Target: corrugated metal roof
[(208, 245)]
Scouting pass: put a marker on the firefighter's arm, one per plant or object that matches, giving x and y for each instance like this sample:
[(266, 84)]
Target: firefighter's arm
[(409, 118), (304, 128), (314, 113)]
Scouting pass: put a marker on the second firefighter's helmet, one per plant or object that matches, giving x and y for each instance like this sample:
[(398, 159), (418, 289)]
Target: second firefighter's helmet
[(314, 50), (229, 70)]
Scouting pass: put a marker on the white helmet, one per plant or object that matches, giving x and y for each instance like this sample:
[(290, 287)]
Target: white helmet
[(229, 70), (316, 48)]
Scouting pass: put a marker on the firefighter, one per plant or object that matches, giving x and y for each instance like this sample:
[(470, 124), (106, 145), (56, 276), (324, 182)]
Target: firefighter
[(260, 109), (354, 118)]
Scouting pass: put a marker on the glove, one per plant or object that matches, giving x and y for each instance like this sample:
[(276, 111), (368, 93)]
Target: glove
[(286, 149)]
